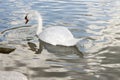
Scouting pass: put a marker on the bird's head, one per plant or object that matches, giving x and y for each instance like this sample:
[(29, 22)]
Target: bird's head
[(30, 15)]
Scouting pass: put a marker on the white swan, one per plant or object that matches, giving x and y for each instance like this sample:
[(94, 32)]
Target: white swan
[(12, 75), (56, 35)]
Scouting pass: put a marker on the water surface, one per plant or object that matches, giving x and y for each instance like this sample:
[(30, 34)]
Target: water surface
[(97, 22)]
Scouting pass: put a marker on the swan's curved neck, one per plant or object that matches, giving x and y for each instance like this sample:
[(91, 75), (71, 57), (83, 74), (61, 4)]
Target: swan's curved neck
[(39, 19)]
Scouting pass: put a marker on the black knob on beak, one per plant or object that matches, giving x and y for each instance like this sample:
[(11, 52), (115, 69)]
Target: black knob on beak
[(26, 19)]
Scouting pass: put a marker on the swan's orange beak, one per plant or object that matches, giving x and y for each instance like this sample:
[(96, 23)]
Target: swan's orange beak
[(26, 19)]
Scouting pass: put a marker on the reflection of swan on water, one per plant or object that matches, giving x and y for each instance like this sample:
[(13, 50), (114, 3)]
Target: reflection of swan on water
[(55, 49), (53, 35)]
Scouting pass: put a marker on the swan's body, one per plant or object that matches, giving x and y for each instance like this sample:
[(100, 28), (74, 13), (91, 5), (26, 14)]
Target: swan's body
[(56, 35)]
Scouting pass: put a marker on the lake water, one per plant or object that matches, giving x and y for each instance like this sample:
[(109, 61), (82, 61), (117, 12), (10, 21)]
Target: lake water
[(96, 22)]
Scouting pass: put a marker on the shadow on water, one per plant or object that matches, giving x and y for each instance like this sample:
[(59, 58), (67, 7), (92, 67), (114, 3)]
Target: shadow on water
[(58, 50)]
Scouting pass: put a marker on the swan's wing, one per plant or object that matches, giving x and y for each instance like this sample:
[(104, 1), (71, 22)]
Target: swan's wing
[(71, 42), (56, 35)]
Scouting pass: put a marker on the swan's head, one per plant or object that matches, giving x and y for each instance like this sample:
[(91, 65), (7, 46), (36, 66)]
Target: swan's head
[(34, 15), (31, 15)]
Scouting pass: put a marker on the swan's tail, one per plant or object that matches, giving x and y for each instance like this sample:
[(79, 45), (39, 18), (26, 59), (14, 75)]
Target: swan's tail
[(77, 40)]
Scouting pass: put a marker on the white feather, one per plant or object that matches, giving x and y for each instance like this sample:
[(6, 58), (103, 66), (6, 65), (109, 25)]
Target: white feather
[(56, 35)]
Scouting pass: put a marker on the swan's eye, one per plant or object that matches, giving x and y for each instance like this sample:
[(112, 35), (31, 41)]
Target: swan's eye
[(26, 19)]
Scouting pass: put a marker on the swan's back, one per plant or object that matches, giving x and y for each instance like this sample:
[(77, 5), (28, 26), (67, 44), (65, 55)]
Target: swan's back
[(57, 36)]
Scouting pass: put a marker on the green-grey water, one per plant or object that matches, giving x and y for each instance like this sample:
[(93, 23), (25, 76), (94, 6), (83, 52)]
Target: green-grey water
[(96, 22)]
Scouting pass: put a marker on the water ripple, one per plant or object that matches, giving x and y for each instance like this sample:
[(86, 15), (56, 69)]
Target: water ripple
[(96, 22)]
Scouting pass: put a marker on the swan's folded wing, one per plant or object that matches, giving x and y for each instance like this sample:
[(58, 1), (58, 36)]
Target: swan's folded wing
[(56, 35)]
